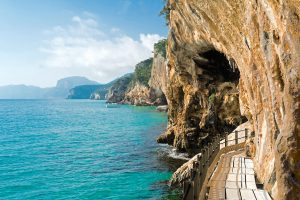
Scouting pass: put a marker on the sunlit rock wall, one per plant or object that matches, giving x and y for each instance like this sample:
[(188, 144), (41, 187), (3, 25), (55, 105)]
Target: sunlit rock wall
[(261, 38)]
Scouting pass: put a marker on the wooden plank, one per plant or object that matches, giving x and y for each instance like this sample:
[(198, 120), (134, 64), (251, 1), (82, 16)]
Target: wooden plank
[(233, 184), (248, 160), (242, 171), (249, 171), (261, 195), (250, 178), (247, 194), (232, 194), (234, 170), (249, 165), (251, 185), (232, 177), (241, 177)]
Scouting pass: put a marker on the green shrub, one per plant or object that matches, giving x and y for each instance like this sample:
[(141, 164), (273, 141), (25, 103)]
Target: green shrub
[(142, 72), (160, 47), (166, 12)]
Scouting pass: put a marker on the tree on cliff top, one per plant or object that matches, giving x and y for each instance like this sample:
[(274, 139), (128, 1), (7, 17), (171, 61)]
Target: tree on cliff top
[(166, 11), (160, 48), (142, 72)]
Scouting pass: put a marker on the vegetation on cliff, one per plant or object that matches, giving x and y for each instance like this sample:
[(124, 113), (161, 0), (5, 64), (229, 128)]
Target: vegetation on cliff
[(160, 48), (147, 84), (118, 89), (142, 72)]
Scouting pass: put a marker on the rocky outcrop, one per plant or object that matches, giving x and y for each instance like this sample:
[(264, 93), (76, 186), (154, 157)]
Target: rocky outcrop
[(96, 96), (117, 91), (148, 83), (159, 78), (253, 45), (162, 108), (138, 92), (138, 95)]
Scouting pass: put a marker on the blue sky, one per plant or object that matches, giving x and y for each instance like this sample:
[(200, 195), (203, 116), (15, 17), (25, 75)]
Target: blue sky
[(45, 40)]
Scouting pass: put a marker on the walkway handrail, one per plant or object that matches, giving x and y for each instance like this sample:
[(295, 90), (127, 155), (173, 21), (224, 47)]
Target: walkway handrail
[(202, 169)]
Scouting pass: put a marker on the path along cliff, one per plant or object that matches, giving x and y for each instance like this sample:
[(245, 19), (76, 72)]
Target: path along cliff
[(231, 61)]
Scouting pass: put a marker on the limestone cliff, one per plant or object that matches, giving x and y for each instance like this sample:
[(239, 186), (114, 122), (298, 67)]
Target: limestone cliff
[(138, 95), (148, 83), (138, 92), (159, 78), (117, 91), (253, 48)]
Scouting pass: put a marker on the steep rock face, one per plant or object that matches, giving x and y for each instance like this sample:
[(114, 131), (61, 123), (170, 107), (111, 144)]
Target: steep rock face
[(139, 95), (138, 92), (158, 79), (260, 39), (149, 82), (117, 91)]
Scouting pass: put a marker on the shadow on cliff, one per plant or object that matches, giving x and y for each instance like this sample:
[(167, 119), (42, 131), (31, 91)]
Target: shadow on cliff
[(210, 103)]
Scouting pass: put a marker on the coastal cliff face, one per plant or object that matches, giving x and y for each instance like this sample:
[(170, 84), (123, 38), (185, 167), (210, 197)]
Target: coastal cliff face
[(159, 74), (159, 79), (232, 54), (148, 83), (117, 91), (138, 92)]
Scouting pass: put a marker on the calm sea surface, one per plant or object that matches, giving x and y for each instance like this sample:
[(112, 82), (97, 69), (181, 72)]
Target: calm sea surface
[(79, 149)]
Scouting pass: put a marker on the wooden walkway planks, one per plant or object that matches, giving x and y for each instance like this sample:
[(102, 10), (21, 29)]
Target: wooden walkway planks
[(234, 180)]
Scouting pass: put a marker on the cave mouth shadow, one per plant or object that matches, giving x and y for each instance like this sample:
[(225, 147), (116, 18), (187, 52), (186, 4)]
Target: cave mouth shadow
[(220, 75), (217, 65)]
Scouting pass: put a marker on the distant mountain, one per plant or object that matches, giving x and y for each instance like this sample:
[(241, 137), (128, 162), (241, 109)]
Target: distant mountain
[(63, 86), (60, 91), (84, 92), (96, 92), (22, 92)]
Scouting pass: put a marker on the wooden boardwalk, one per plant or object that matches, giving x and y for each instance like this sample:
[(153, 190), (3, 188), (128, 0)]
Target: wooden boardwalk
[(234, 179)]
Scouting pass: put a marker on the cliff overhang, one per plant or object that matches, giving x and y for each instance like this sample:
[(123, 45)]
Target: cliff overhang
[(259, 40)]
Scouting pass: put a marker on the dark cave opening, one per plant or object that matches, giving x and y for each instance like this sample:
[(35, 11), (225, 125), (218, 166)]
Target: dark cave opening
[(219, 76), (216, 64)]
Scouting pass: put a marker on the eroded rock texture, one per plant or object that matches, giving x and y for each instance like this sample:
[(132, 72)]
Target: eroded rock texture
[(159, 79), (218, 49)]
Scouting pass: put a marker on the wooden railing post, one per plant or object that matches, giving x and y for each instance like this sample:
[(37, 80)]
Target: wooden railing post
[(195, 181), (201, 166), (226, 140), (236, 137), (192, 185)]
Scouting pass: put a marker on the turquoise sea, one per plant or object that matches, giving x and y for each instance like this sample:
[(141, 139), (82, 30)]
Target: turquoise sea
[(79, 149)]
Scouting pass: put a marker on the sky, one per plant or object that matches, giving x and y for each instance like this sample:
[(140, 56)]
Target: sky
[(45, 40)]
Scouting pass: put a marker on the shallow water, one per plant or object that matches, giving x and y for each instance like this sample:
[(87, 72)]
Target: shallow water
[(79, 149)]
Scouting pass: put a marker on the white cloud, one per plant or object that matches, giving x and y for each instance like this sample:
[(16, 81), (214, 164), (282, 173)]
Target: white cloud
[(149, 40), (83, 45)]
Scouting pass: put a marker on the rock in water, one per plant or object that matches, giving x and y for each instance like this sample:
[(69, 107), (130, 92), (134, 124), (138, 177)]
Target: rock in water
[(162, 108)]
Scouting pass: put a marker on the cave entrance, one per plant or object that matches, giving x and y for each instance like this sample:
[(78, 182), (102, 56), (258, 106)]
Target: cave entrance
[(220, 76), (216, 65)]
